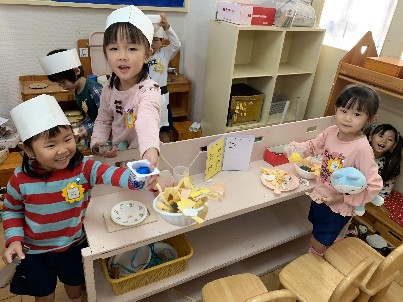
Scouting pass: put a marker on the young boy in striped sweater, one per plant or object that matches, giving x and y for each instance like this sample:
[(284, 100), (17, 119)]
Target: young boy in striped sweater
[(47, 198)]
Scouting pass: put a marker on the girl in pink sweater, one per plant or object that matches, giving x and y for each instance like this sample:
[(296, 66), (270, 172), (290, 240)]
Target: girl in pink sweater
[(341, 145), (130, 101)]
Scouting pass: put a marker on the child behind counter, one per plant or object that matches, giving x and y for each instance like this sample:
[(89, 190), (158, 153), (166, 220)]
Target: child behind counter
[(64, 67), (387, 144), (159, 71), (341, 145), (46, 201), (130, 101)]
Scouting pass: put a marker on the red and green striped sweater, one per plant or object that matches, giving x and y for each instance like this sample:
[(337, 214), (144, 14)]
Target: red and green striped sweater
[(36, 213)]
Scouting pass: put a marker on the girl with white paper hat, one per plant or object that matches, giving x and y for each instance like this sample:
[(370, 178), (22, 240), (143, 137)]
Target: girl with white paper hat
[(130, 101), (47, 198), (159, 70)]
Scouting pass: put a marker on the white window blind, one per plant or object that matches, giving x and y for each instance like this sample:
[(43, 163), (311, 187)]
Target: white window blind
[(346, 21)]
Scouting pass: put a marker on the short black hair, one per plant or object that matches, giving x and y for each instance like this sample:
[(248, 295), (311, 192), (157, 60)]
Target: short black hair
[(69, 75), (27, 167), (366, 99), (132, 34)]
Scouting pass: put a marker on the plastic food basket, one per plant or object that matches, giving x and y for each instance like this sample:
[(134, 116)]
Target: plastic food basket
[(155, 273)]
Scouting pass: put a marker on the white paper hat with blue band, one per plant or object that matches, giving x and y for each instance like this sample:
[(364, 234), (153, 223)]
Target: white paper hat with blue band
[(37, 115), (60, 61), (134, 16)]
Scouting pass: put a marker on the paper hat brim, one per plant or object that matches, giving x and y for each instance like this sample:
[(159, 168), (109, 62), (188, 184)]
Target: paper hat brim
[(135, 17), (60, 61), (159, 33), (37, 115)]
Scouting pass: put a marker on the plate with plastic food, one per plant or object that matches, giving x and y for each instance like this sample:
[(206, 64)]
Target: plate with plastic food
[(279, 180)]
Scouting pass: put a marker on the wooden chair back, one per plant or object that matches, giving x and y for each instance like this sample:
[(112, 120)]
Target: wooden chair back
[(281, 295), (387, 270), (347, 288)]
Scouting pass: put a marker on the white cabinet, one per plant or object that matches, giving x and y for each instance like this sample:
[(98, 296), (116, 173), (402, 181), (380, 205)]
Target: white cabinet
[(270, 59)]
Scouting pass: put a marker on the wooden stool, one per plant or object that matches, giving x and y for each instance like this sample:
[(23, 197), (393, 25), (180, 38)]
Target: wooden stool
[(347, 253), (242, 288), (313, 279), (233, 288)]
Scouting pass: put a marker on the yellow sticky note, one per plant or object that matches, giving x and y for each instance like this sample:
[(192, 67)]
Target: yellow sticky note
[(215, 153)]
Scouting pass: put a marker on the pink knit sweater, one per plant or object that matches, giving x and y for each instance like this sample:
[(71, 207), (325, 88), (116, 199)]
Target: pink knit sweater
[(144, 99), (336, 155)]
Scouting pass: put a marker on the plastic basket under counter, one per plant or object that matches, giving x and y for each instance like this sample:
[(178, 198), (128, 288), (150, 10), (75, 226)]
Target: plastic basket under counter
[(277, 104), (156, 273)]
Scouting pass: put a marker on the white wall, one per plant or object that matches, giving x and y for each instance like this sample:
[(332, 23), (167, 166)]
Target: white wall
[(29, 32)]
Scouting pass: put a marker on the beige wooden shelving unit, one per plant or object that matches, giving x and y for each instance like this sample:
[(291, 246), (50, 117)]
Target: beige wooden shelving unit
[(267, 58)]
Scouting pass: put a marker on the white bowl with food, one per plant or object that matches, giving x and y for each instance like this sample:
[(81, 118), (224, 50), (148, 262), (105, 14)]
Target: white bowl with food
[(308, 168), (178, 219)]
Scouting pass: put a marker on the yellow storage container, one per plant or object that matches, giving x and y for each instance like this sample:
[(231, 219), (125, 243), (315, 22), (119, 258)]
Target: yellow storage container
[(155, 273)]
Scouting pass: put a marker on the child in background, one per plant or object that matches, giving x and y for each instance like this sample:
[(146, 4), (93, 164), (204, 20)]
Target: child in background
[(341, 145), (64, 67), (387, 144), (130, 100), (159, 71), (46, 201)]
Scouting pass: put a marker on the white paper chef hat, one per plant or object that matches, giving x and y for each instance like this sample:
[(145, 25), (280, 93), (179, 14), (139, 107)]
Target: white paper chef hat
[(37, 115), (159, 33), (134, 16), (60, 61)]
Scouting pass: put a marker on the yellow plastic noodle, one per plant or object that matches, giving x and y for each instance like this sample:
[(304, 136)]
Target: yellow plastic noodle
[(185, 204), (295, 157)]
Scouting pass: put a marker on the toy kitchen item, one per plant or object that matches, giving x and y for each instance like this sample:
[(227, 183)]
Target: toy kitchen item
[(308, 168), (184, 204), (129, 262), (279, 180), (128, 213), (141, 168)]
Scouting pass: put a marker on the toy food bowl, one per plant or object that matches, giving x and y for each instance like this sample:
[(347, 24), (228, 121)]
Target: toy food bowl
[(308, 168), (178, 219), (184, 204)]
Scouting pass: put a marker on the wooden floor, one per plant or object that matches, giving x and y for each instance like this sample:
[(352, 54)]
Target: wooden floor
[(5, 294)]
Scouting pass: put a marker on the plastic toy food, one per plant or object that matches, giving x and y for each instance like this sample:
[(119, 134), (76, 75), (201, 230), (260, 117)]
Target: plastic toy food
[(186, 198), (279, 180), (295, 157)]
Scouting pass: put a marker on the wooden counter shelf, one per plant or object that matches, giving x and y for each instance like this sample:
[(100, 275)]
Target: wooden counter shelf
[(237, 234)]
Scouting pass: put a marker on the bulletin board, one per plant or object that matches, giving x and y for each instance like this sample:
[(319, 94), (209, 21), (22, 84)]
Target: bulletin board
[(159, 5)]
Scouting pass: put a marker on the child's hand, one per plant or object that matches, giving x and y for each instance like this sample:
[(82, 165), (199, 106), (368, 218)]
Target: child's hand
[(101, 150), (152, 182), (289, 150), (164, 22), (152, 156), (15, 247), (330, 200), (82, 132)]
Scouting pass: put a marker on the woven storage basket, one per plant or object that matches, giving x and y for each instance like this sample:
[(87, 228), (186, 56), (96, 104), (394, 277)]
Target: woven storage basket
[(245, 105), (155, 273)]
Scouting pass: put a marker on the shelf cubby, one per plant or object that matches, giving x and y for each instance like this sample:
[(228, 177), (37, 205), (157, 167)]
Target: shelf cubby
[(270, 59)]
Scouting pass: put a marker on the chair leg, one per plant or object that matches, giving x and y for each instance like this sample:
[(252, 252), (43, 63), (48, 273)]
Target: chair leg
[(378, 297), (362, 297)]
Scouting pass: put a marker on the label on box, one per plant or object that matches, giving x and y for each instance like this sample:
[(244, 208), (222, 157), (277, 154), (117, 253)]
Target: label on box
[(245, 14)]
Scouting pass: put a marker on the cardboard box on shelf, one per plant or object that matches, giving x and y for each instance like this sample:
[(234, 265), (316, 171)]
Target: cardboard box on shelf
[(245, 14)]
